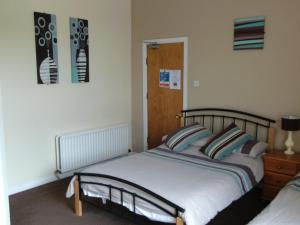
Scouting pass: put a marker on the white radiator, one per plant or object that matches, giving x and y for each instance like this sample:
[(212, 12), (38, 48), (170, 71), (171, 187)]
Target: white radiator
[(80, 149)]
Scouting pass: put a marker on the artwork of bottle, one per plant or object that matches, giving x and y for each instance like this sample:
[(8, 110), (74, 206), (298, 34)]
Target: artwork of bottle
[(46, 48), (79, 44), (81, 64), (48, 70)]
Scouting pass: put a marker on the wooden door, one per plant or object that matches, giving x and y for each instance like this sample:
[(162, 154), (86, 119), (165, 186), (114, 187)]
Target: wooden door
[(163, 103)]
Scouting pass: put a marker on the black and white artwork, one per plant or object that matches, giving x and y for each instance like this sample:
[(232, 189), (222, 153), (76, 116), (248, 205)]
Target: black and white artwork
[(46, 48), (79, 38)]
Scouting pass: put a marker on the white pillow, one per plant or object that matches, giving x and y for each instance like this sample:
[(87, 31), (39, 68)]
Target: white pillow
[(253, 148), (164, 138)]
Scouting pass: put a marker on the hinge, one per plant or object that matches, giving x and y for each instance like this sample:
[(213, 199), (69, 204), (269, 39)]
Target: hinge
[(147, 96), (147, 140), (147, 61)]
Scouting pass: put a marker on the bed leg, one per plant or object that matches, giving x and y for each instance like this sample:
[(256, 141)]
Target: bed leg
[(78, 204), (179, 221)]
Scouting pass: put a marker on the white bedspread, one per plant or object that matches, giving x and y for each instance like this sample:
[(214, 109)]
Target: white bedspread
[(201, 192), (255, 164), (283, 210)]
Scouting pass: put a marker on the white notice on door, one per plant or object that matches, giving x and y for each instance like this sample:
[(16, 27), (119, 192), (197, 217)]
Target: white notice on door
[(175, 79)]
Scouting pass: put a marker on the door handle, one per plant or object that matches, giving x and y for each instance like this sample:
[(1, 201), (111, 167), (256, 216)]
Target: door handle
[(178, 116)]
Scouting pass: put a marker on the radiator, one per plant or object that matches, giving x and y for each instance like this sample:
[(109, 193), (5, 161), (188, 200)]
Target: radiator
[(79, 149)]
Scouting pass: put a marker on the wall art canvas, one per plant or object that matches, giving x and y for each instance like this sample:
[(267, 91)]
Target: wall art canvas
[(249, 33), (79, 38), (46, 48)]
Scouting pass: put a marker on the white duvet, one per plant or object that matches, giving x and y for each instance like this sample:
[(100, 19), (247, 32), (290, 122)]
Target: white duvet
[(202, 193), (283, 210)]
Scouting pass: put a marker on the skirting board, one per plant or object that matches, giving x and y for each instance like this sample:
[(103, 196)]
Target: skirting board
[(31, 184), (46, 180), (36, 183)]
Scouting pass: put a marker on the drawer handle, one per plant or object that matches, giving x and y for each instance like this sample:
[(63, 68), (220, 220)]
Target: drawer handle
[(279, 167)]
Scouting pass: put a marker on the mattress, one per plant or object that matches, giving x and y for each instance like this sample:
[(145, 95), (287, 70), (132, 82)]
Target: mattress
[(181, 178), (284, 209)]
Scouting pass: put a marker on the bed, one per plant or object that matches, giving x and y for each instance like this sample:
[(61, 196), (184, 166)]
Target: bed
[(196, 193), (284, 209)]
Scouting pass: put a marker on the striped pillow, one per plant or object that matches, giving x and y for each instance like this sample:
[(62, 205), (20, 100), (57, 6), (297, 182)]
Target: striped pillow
[(225, 142), (181, 138)]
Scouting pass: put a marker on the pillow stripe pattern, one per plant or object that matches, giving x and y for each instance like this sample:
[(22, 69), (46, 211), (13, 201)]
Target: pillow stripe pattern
[(186, 135), (217, 137), (225, 142), (180, 139), (182, 129)]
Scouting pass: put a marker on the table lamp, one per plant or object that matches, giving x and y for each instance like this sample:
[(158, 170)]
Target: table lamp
[(290, 124)]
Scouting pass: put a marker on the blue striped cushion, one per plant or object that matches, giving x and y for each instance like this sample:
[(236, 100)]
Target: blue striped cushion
[(181, 138), (225, 142)]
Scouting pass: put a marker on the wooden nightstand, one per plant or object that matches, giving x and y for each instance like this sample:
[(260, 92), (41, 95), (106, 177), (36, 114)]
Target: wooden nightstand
[(279, 170)]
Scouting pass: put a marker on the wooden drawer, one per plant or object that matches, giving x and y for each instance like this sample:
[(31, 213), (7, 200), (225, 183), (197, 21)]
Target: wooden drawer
[(276, 179), (270, 191), (280, 166)]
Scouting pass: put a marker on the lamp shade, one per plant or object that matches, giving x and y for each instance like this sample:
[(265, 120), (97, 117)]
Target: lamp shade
[(290, 123)]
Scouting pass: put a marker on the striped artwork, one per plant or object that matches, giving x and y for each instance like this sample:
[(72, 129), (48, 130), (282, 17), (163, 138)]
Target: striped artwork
[(46, 48), (48, 71), (249, 33), (81, 65), (79, 39)]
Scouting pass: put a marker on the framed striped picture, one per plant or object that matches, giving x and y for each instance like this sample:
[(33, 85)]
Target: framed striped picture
[(79, 39), (46, 48), (249, 33)]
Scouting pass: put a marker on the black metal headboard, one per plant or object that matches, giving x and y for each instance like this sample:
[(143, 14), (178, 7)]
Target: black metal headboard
[(217, 119)]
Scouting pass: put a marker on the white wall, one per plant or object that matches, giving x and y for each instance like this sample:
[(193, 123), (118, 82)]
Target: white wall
[(34, 114), (4, 209)]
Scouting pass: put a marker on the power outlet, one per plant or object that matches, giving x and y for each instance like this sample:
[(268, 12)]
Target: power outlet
[(196, 83)]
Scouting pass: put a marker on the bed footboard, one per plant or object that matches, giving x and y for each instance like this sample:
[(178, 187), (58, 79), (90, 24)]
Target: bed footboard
[(176, 211)]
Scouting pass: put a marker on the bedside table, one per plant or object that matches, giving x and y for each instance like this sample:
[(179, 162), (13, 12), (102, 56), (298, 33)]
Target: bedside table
[(279, 169)]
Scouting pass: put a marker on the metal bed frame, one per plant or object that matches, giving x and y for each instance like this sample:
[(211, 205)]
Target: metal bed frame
[(211, 115), (215, 118)]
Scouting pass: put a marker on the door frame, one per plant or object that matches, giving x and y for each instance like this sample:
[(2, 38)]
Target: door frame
[(183, 40)]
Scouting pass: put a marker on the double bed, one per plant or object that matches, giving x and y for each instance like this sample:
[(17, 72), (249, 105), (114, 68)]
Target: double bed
[(181, 187)]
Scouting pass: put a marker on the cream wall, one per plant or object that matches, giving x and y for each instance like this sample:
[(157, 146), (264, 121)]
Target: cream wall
[(265, 81), (4, 205), (34, 114)]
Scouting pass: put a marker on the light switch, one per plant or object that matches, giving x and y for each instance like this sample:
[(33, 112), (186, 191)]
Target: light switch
[(196, 83)]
